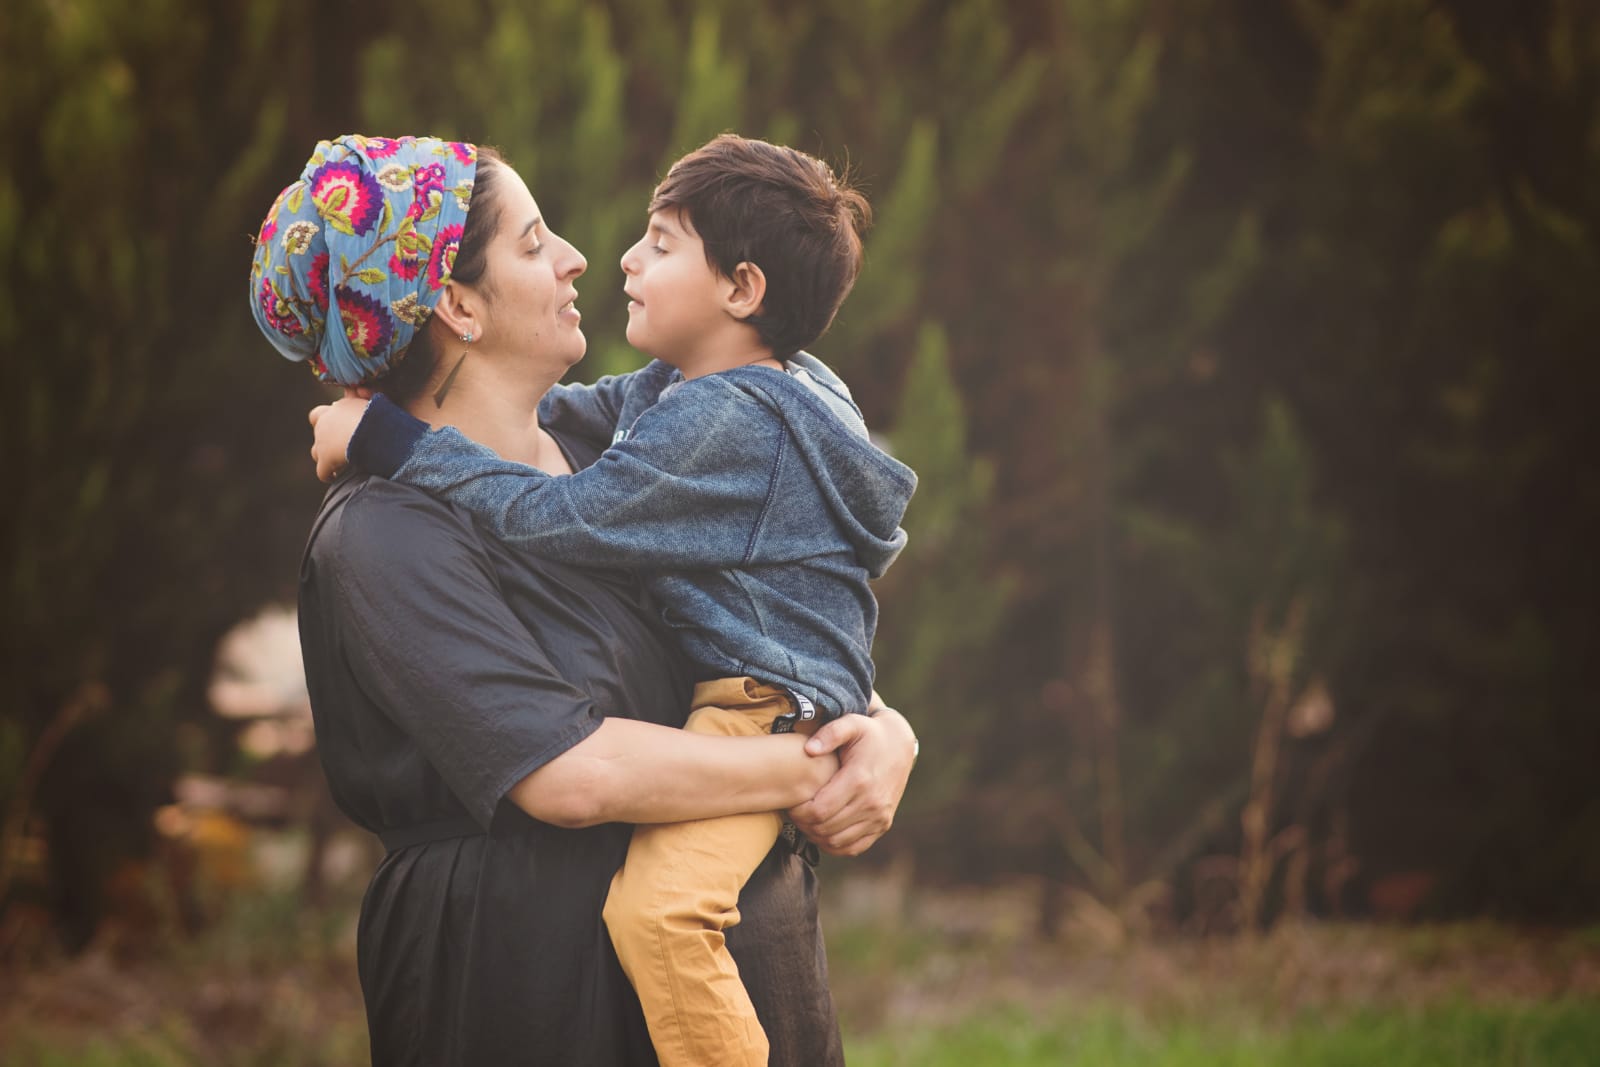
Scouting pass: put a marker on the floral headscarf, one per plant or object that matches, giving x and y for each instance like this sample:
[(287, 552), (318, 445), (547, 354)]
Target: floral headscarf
[(366, 240)]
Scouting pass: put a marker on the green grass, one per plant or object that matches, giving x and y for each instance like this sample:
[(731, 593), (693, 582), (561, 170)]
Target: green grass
[(273, 984), (1560, 1034)]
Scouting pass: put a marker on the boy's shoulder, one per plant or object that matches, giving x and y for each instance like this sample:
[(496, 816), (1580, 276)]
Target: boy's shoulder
[(805, 398), (806, 390)]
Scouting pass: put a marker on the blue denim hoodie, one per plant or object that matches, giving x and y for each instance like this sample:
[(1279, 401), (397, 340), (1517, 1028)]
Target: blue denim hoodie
[(752, 502)]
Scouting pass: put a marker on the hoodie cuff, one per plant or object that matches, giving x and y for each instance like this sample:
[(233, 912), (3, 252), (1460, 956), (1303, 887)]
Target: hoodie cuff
[(385, 437)]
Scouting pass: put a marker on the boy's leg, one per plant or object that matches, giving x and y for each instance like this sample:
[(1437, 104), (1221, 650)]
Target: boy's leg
[(678, 891)]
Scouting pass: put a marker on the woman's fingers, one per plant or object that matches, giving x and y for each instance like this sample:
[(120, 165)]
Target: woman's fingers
[(835, 735), (858, 804)]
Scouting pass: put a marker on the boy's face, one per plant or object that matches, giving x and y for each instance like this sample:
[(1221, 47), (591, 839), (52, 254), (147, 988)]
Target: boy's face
[(675, 305)]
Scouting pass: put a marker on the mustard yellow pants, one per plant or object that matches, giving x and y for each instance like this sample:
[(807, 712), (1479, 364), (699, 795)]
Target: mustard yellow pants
[(678, 890)]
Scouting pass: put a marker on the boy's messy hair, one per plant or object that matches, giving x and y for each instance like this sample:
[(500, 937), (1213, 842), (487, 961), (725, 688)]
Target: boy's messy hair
[(784, 211)]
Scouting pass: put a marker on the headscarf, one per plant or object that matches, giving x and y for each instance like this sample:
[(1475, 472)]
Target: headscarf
[(365, 239)]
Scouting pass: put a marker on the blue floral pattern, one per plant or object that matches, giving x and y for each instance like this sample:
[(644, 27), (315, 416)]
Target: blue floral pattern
[(364, 240)]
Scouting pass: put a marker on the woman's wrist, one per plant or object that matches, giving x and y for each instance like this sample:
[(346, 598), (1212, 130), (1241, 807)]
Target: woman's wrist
[(798, 772), (879, 710)]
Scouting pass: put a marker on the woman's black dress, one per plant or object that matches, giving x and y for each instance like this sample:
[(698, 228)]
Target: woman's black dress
[(443, 668)]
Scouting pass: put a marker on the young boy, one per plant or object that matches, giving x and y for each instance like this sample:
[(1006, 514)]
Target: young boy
[(742, 484)]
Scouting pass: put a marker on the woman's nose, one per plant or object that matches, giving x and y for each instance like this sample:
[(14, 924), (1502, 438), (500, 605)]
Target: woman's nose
[(575, 264)]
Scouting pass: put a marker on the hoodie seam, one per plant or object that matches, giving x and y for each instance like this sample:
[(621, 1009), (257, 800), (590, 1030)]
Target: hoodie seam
[(772, 489)]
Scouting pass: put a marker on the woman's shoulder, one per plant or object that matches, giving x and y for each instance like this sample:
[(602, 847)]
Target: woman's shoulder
[(374, 523)]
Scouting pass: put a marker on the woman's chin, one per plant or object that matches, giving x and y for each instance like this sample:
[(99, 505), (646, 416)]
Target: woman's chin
[(579, 349)]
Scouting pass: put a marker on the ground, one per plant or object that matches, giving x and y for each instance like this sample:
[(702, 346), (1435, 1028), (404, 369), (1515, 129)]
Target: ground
[(933, 978)]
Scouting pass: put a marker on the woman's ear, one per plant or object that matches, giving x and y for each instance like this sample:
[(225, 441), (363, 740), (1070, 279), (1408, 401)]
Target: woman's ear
[(745, 290), (457, 311)]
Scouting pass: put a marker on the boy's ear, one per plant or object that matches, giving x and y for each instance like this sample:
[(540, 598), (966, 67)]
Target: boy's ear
[(745, 290)]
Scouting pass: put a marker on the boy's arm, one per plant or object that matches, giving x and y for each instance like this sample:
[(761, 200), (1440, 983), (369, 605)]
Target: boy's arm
[(588, 412), (687, 489)]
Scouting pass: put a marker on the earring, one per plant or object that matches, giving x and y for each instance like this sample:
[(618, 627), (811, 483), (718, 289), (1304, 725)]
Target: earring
[(444, 389)]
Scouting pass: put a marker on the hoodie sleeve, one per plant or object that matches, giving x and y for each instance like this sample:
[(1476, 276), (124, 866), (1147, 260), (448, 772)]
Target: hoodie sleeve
[(589, 412), (688, 488)]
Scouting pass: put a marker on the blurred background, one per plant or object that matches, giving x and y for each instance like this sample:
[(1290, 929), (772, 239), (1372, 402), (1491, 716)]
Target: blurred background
[(1246, 350)]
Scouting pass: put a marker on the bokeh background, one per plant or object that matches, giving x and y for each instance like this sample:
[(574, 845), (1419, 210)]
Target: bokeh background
[(1247, 353)]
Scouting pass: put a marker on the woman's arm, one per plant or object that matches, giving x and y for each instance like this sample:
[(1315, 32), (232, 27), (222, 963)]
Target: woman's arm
[(419, 618), (640, 772)]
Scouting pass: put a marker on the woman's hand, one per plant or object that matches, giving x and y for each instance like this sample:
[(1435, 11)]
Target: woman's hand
[(332, 427), (857, 805)]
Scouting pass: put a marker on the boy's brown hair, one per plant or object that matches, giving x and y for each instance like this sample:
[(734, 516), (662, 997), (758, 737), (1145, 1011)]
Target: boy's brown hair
[(782, 210)]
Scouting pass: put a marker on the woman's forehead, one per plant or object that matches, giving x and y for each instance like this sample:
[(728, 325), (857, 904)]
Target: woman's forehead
[(516, 205)]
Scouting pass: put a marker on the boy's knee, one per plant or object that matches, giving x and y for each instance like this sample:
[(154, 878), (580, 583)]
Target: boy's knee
[(636, 910)]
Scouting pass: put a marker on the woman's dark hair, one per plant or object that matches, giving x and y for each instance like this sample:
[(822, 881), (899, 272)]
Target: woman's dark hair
[(786, 212), (413, 367)]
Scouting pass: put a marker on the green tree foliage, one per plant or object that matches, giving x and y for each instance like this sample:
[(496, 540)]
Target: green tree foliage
[(946, 604), (145, 503), (1422, 250)]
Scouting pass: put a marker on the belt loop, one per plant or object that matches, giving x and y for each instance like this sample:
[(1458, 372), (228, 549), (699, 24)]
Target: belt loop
[(802, 705)]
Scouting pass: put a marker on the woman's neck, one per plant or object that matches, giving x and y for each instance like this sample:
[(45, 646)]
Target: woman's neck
[(499, 414)]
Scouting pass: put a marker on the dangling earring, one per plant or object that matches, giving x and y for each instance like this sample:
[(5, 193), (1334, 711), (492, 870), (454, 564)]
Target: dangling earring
[(450, 379)]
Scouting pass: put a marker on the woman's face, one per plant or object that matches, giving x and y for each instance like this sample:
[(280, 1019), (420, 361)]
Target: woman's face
[(528, 292)]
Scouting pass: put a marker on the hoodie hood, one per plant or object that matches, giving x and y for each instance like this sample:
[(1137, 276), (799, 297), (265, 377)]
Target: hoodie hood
[(864, 487)]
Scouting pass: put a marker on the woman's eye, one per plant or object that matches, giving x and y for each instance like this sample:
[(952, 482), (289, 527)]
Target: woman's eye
[(535, 250)]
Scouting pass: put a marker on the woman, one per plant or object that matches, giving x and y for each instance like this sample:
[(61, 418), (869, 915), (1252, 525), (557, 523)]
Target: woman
[(499, 720)]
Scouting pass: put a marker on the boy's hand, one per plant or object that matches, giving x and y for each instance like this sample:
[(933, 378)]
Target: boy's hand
[(333, 425), (857, 805)]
